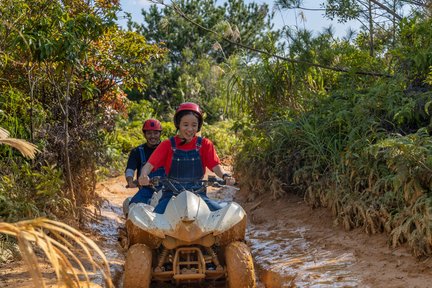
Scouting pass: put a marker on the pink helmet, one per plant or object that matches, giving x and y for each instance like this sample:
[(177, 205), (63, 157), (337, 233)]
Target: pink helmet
[(152, 125), (188, 107)]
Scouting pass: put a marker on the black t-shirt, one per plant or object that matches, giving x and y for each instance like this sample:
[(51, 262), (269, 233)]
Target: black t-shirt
[(135, 162)]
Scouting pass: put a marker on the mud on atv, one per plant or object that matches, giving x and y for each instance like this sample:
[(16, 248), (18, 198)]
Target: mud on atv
[(188, 243)]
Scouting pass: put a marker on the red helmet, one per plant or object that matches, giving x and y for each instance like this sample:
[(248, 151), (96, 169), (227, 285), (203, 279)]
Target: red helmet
[(152, 125), (188, 107)]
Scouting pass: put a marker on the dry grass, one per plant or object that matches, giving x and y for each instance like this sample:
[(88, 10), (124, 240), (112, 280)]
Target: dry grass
[(68, 250), (26, 148)]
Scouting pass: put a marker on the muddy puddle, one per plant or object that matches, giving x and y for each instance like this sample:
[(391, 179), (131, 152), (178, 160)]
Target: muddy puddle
[(284, 258), (105, 228)]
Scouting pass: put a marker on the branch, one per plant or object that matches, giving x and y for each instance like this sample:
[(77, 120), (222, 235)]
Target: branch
[(307, 9), (337, 69), (417, 3), (391, 12)]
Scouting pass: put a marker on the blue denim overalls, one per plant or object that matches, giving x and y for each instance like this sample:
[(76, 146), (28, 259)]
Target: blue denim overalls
[(145, 193), (186, 173)]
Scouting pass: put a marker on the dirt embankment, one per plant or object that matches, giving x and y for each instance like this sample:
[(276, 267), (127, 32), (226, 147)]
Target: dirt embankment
[(293, 246)]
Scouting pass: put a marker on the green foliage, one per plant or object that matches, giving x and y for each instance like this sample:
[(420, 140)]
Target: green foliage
[(18, 115), (359, 146), (365, 154), (344, 10), (223, 137), (48, 182), (265, 91), (415, 53), (26, 194), (164, 25), (26, 190), (410, 159)]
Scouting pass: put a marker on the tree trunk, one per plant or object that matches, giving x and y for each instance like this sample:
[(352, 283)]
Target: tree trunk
[(394, 25), (66, 146), (32, 84), (371, 30)]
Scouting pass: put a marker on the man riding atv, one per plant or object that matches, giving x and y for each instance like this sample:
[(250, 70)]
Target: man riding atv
[(151, 129)]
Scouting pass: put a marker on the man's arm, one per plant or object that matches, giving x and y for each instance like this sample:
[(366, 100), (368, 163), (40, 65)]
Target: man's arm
[(130, 168)]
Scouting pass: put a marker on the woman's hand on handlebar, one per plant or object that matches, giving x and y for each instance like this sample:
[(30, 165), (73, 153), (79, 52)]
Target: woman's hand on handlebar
[(229, 180), (143, 180)]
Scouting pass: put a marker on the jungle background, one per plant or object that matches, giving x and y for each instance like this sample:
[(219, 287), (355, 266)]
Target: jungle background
[(342, 121)]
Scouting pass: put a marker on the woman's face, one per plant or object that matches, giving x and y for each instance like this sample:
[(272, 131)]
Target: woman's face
[(188, 127)]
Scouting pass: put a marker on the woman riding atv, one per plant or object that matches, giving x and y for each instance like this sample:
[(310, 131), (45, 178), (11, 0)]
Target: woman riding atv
[(187, 238), (185, 158)]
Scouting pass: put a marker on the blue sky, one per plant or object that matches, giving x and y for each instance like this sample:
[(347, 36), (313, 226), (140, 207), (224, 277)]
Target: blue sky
[(313, 19)]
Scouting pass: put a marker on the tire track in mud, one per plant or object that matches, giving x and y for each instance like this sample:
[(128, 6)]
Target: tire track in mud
[(285, 258)]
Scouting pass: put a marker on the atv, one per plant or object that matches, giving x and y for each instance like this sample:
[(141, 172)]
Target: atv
[(188, 243)]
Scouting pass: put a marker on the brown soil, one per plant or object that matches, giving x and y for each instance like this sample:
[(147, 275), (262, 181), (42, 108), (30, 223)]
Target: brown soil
[(292, 244), (329, 256)]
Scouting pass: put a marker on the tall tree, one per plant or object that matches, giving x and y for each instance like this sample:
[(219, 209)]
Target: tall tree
[(180, 27)]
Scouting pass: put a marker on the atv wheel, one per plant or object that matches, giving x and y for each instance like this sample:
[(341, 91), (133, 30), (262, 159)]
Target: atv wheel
[(239, 264), (138, 267)]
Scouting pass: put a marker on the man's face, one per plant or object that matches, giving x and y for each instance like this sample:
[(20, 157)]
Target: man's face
[(152, 137)]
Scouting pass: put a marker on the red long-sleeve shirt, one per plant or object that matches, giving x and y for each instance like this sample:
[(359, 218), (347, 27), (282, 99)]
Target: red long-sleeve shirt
[(163, 154)]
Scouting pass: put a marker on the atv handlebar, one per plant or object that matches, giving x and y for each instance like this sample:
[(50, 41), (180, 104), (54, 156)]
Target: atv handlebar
[(211, 181)]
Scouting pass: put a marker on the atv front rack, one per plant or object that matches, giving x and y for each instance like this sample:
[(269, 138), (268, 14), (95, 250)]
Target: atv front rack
[(189, 264)]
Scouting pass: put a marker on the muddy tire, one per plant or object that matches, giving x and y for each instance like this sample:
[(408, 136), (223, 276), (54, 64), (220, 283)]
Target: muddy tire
[(126, 206), (240, 268), (138, 267)]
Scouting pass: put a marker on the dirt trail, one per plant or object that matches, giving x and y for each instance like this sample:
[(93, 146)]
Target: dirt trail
[(293, 246), (297, 246)]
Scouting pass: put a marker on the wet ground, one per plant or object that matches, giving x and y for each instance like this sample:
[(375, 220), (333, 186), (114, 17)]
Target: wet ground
[(297, 246), (292, 244)]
